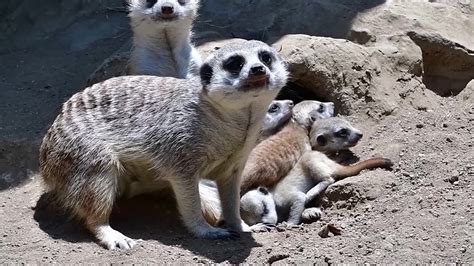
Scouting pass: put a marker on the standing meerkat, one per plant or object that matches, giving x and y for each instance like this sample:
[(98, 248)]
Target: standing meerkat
[(167, 130), (161, 42), (274, 157), (162, 38), (310, 177)]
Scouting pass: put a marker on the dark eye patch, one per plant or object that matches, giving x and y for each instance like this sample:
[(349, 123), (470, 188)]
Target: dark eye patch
[(182, 2), (266, 58), (273, 108), (342, 133), (234, 64), (150, 3)]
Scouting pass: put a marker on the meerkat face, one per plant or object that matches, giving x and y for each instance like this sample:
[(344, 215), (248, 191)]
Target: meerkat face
[(257, 206), (278, 113), (333, 134), (243, 71), (306, 112), (163, 10)]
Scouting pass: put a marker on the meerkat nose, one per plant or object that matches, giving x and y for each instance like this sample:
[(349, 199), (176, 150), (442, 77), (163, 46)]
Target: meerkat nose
[(167, 9), (257, 70), (359, 135)]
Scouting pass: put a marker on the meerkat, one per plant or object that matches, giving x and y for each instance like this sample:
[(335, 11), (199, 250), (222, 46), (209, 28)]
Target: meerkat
[(274, 157), (279, 112), (167, 130), (310, 177), (161, 42)]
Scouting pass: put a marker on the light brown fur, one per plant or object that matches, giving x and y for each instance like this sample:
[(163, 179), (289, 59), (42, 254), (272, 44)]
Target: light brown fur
[(274, 157)]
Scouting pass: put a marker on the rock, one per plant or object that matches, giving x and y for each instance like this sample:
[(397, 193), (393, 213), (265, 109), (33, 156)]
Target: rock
[(334, 70), (368, 186), (447, 65)]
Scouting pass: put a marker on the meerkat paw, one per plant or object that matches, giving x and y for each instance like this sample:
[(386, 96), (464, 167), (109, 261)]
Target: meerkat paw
[(112, 239), (262, 228), (311, 214), (217, 233)]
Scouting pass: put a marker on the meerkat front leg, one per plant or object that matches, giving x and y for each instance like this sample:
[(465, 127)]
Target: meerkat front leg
[(189, 204), (296, 209), (318, 190), (229, 193)]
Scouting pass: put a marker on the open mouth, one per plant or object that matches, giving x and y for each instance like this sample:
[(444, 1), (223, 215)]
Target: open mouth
[(257, 82)]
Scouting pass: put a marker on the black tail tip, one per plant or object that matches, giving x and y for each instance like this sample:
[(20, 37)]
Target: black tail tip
[(387, 163)]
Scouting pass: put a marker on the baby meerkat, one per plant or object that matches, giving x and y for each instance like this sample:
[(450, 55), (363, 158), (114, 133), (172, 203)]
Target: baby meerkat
[(274, 157), (278, 113), (310, 177), (167, 130)]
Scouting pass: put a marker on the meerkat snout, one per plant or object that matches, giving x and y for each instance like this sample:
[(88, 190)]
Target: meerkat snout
[(167, 9), (163, 10)]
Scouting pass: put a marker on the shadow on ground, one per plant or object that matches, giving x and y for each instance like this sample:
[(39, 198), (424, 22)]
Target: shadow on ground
[(145, 217)]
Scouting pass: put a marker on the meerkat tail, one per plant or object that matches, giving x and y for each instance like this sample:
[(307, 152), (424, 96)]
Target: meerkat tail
[(210, 203), (355, 169)]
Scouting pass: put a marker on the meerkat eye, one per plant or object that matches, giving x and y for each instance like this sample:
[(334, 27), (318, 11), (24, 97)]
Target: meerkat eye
[(265, 57), (342, 133), (321, 108), (234, 64), (273, 108), (182, 2), (150, 3)]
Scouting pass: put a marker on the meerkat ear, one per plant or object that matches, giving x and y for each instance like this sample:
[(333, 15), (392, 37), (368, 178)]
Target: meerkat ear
[(263, 190), (322, 141), (206, 74)]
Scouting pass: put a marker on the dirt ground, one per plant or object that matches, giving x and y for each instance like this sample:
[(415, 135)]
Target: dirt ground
[(421, 212)]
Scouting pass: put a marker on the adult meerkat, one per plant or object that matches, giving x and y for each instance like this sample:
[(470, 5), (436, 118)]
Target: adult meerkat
[(161, 42), (310, 177), (162, 38), (274, 157), (147, 128)]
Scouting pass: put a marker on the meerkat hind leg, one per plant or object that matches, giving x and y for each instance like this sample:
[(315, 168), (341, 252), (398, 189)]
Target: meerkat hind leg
[(95, 209), (111, 238), (189, 204)]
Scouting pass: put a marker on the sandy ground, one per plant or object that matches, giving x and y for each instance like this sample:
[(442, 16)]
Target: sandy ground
[(421, 212)]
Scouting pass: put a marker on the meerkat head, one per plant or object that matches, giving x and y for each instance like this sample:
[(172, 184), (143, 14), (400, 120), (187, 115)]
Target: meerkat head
[(333, 134), (258, 206), (241, 72), (278, 113), (163, 10), (306, 112)]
